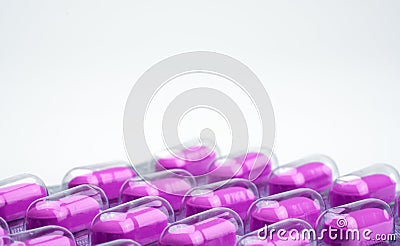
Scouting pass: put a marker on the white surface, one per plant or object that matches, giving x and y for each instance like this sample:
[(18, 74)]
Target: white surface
[(66, 68)]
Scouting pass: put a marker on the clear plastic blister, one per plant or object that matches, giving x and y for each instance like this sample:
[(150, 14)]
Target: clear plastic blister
[(293, 232), (305, 204), (73, 209), (16, 194), (4, 230), (120, 242), (365, 222), (255, 165), (8, 241), (108, 176), (217, 226), (141, 220), (316, 172), (236, 194), (171, 185), (192, 157), (379, 181), (48, 235)]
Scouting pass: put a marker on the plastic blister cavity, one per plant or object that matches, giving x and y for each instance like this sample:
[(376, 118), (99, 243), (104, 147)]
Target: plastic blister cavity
[(379, 181), (171, 185), (255, 166), (305, 204), (120, 242), (142, 220), (107, 176), (217, 226), (366, 222), (293, 232), (194, 158), (236, 194), (3, 228), (16, 194), (7, 241), (73, 209), (316, 172), (48, 235)]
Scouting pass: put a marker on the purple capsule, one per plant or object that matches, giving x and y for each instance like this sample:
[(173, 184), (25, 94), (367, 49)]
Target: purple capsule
[(171, 185), (3, 232), (120, 242), (7, 241), (44, 236), (109, 177), (56, 240), (254, 166), (142, 220), (377, 181), (271, 235), (73, 209), (305, 204), (356, 223), (195, 159), (219, 226), (236, 194), (16, 194), (314, 172)]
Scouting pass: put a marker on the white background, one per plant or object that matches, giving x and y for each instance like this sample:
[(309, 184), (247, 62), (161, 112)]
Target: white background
[(66, 68)]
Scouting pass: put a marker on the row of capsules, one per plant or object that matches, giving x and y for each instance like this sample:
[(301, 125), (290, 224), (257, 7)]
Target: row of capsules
[(305, 194)]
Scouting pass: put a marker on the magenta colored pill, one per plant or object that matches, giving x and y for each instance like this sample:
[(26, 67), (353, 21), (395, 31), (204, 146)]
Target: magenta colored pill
[(3, 232), (314, 175), (7, 241), (238, 199), (295, 207), (245, 166), (171, 189), (372, 186), (212, 231), (365, 221), (15, 199), (120, 242), (379, 181), (109, 180), (377, 220), (143, 225), (48, 235), (50, 240), (196, 160), (75, 213)]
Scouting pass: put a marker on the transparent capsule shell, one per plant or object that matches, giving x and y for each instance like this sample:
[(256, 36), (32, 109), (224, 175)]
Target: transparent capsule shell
[(16, 194), (73, 209), (192, 157), (236, 194), (150, 215), (255, 165), (4, 230), (8, 241), (316, 172), (48, 235), (171, 185), (109, 176), (304, 204), (356, 223), (120, 242), (217, 226), (380, 181)]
